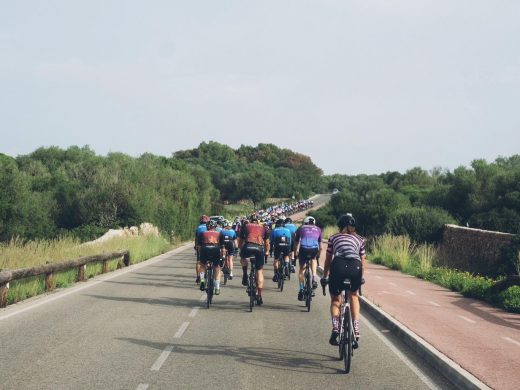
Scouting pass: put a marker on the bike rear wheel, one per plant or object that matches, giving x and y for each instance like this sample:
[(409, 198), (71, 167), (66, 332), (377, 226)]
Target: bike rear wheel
[(209, 288), (252, 292), (308, 289), (348, 336)]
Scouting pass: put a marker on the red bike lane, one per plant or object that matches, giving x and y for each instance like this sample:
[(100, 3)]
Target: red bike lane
[(482, 339)]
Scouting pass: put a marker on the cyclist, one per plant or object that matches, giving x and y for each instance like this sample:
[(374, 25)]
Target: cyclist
[(308, 246), (280, 243), (253, 238), (228, 244), (210, 252), (204, 219), (345, 259), (236, 225), (292, 228)]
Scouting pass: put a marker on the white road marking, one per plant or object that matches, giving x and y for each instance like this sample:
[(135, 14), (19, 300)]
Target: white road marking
[(142, 386), (434, 303), (401, 356), (203, 298), (193, 312), (468, 320), (382, 292), (392, 284), (181, 330), (410, 292), (72, 290), (378, 277), (511, 340), (161, 359)]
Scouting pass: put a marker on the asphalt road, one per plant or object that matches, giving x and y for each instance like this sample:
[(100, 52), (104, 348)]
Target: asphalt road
[(145, 327)]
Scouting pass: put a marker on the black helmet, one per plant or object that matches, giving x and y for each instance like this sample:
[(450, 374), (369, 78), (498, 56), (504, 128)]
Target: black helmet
[(346, 220), (212, 224), (280, 222), (288, 220)]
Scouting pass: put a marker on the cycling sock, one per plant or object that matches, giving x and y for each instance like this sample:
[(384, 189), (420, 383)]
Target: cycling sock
[(315, 278), (302, 286), (244, 270), (217, 284), (260, 291), (335, 323), (202, 274)]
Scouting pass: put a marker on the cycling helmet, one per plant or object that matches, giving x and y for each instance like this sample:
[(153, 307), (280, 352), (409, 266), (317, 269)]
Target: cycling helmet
[(288, 220), (226, 223), (280, 222), (204, 219), (253, 218), (309, 220), (346, 220), (212, 224)]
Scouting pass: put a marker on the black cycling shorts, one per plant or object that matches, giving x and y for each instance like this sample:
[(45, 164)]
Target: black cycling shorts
[(281, 249), (210, 253), (306, 254), (256, 251), (341, 269), (230, 247)]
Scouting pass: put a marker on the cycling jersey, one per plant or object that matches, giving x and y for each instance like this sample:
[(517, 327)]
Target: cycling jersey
[(347, 246), (281, 235), (292, 228), (210, 237), (254, 233), (200, 229), (309, 236)]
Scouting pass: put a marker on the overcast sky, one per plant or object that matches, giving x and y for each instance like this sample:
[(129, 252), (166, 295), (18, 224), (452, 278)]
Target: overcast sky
[(361, 86)]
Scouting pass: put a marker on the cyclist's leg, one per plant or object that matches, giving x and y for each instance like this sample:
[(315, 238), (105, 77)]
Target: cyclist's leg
[(276, 262), (244, 262), (230, 265), (259, 263)]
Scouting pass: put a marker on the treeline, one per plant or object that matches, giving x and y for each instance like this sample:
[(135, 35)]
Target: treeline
[(418, 202), (52, 192)]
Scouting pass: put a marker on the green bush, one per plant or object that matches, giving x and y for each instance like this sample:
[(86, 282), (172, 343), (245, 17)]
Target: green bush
[(510, 299)]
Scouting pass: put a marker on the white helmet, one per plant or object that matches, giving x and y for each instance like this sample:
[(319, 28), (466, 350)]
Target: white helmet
[(309, 220)]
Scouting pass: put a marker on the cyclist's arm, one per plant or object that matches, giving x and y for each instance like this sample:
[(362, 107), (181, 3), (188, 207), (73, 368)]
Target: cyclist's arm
[(326, 266)]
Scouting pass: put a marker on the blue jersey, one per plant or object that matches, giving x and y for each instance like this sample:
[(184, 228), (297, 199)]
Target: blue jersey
[(227, 235), (200, 229), (278, 235), (292, 228)]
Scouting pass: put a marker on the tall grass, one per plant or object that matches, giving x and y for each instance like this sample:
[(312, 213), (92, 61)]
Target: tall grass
[(393, 251), (328, 231), (19, 254)]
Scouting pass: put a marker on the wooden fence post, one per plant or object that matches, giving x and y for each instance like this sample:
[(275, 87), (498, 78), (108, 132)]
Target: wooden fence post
[(126, 259), (4, 289), (81, 272), (48, 282)]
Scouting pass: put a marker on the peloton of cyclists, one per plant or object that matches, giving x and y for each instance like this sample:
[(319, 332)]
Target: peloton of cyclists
[(210, 252), (308, 247), (280, 244), (345, 259)]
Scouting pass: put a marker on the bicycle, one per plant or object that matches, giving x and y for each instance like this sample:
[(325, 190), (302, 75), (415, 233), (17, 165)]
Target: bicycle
[(346, 340), (252, 284), (225, 267), (209, 283), (283, 271), (307, 290)]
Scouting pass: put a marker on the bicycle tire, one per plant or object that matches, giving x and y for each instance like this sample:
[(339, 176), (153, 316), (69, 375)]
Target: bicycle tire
[(341, 341), (308, 290), (209, 288), (348, 336), (251, 291)]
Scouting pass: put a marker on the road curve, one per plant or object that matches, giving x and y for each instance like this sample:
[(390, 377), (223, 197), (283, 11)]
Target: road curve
[(145, 328)]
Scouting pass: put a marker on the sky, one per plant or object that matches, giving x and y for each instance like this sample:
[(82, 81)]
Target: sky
[(361, 86)]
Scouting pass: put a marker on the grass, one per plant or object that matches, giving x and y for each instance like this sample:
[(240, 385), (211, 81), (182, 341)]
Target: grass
[(398, 252), (17, 254), (328, 231)]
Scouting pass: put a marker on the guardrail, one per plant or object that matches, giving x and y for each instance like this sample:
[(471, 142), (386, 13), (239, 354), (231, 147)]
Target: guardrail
[(48, 270)]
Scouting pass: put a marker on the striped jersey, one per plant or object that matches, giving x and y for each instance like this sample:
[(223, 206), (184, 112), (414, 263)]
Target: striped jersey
[(346, 246)]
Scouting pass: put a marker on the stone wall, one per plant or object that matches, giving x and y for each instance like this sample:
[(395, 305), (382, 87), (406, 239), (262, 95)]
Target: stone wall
[(472, 250)]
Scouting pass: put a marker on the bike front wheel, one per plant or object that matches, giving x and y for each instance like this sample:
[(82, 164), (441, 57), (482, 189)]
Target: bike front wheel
[(348, 337)]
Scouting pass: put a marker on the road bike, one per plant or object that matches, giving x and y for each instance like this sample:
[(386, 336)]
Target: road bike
[(209, 283), (307, 289), (252, 285), (346, 340), (283, 272)]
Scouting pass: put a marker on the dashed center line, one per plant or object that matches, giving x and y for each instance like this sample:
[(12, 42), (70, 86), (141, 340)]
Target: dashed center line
[(161, 359), (410, 292), (434, 303), (194, 312), (468, 320), (181, 330), (511, 340), (143, 386)]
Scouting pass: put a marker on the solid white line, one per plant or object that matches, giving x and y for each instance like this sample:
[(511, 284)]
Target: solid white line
[(434, 303), (193, 312), (161, 359), (468, 319), (143, 386), (181, 330), (511, 340), (400, 355), (410, 292), (72, 290)]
